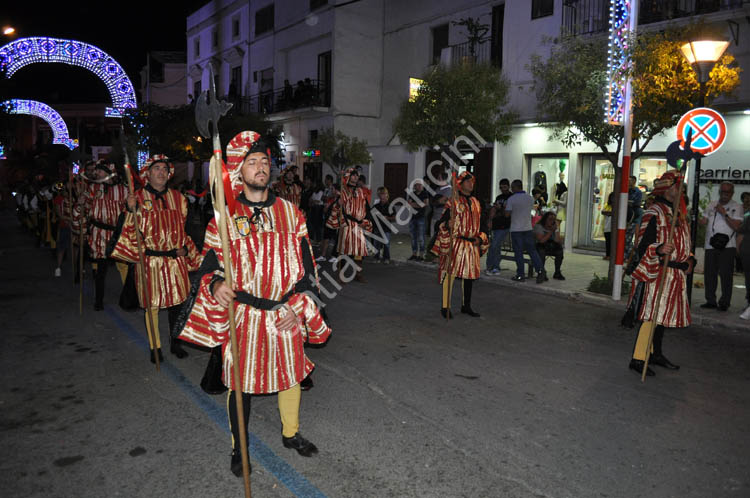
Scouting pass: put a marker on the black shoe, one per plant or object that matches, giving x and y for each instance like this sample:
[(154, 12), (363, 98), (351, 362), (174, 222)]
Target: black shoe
[(413, 257), (637, 365), (236, 464), (446, 312), (98, 306), (468, 311), (519, 278), (541, 277), (558, 276), (708, 306), (306, 384), (176, 349), (723, 307), (662, 361), (161, 357), (302, 445)]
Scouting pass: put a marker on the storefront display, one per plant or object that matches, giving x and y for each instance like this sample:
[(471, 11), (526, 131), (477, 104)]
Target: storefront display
[(545, 174)]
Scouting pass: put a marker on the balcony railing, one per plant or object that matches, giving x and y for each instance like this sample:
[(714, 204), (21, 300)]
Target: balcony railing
[(592, 16), (480, 52), (313, 93)]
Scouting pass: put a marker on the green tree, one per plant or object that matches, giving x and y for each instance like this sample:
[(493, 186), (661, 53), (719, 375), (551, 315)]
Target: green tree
[(452, 98), (570, 84), (340, 151)]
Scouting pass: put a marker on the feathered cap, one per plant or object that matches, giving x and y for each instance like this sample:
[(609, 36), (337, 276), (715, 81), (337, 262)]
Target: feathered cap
[(243, 144), (664, 183), (463, 177), (157, 158)]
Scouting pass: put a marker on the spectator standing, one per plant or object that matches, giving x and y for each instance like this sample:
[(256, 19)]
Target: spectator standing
[(442, 195), (723, 218), (500, 226), (635, 213), (316, 213), (383, 206), (518, 209), (743, 246), (549, 242), (418, 202), (607, 213)]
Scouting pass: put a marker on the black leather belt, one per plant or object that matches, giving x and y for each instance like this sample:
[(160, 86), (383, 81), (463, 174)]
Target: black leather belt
[(352, 218), (172, 253), (102, 225), (260, 302), (679, 266), (468, 239)]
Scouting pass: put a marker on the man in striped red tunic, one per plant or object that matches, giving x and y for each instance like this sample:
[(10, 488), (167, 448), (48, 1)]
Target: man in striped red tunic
[(103, 201), (168, 251), (652, 245), (349, 215), (274, 277), (287, 189), (460, 252)]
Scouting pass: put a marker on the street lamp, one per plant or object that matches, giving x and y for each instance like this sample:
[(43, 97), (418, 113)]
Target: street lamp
[(8, 30), (702, 55)]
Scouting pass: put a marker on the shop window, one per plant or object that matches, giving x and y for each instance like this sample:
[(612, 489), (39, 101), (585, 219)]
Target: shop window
[(541, 8), (546, 175), (264, 20), (439, 42)]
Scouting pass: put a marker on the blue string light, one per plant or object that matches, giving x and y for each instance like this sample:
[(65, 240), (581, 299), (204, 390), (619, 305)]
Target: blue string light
[(618, 63)]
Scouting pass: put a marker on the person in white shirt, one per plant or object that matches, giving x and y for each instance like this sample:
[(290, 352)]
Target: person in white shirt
[(723, 218), (518, 208)]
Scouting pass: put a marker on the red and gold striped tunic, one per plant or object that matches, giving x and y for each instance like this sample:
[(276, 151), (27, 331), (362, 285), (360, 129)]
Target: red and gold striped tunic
[(268, 242), (349, 217), (162, 225), (102, 205), (674, 310), (464, 253), (291, 192)]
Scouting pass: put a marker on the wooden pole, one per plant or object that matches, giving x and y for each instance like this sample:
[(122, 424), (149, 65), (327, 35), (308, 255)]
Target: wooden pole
[(662, 276), (141, 266), (451, 237), (222, 222)]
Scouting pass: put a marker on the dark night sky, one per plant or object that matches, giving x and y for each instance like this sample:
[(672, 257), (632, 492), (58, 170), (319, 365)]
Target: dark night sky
[(126, 34)]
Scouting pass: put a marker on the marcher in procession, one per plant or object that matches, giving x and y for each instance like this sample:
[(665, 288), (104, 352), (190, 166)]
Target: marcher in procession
[(287, 188), (460, 251), (349, 215), (169, 253), (652, 246), (102, 202), (64, 218), (274, 275)]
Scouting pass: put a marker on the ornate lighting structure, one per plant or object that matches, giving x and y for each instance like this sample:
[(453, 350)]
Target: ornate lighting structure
[(618, 63), (25, 51), (51, 116)]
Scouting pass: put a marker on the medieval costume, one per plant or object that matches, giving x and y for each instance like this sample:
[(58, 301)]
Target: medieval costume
[(273, 270), (169, 254), (460, 251), (102, 202), (349, 215), (288, 189), (674, 308)]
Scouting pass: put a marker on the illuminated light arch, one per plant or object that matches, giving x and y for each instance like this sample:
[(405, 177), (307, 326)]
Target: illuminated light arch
[(42, 110), (26, 51)]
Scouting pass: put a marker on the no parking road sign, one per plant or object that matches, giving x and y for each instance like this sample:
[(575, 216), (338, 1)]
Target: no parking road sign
[(709, 130)]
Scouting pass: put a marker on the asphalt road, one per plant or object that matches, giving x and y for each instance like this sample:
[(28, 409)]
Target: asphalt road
[(533, 399)]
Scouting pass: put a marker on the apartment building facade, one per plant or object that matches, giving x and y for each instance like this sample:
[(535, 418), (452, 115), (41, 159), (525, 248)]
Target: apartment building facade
[(360, 56)]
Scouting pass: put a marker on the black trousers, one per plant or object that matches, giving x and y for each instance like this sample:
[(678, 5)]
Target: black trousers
[(556, 253), (234, 422), (719, 264), (99, 281)]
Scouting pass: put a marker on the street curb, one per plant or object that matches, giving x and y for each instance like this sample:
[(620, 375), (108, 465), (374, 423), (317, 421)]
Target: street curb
[(586, 297)]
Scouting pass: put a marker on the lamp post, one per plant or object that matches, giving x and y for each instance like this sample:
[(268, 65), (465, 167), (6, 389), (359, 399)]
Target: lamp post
[(702, 56)]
